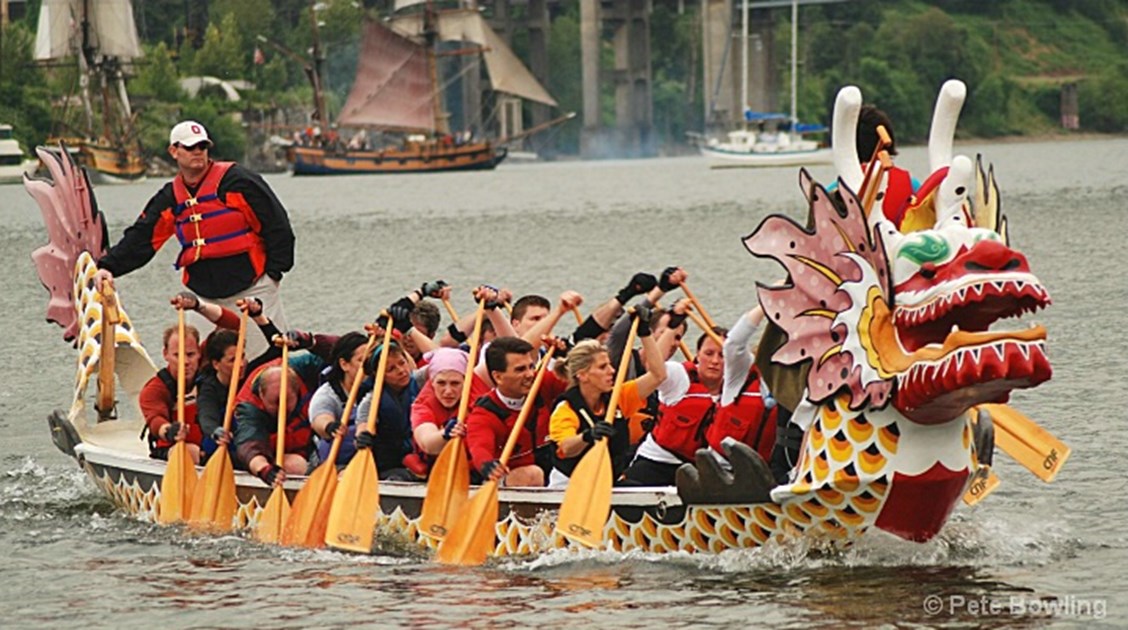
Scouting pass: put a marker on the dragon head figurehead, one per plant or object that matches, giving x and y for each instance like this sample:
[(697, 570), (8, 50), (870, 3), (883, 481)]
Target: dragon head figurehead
[(897, 305)]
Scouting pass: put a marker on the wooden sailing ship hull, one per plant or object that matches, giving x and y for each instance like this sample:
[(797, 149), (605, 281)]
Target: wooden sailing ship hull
[(420, 158), (105, 163)]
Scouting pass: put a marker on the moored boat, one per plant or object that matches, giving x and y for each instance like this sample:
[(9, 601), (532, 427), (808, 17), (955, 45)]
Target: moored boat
[(13, 162)]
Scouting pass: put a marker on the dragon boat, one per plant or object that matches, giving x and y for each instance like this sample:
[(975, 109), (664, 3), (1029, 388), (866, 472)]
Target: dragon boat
[(894, 321)]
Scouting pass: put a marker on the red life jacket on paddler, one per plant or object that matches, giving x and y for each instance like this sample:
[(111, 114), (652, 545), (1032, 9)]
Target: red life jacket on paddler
[(745, 420), (681, 427), (195, 435), (898, 194), (299, 434), (209, 226)]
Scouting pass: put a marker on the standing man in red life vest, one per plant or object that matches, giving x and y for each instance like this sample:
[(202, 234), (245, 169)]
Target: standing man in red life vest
[(234, 234), (158, 398)]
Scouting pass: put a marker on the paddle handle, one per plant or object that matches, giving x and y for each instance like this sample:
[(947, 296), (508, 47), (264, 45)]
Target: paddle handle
[(621, 375), (111, 317), (697, 305), (511, 443), (181, 389), (350, 402), (283, 400), (471, 361), (703, 325), (233, 386), (381, 369), (450, 309), (685, 351)]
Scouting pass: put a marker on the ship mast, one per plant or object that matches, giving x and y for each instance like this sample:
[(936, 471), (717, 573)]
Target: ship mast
[(431, 36), (315, 69)]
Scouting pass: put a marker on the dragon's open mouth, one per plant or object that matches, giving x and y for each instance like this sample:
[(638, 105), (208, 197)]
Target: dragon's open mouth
[(952, 359)]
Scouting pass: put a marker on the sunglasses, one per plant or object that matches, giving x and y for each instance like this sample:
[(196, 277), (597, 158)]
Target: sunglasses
[(199, 146)]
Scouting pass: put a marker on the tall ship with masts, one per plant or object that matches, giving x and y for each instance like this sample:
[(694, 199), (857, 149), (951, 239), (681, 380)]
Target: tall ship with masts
[(398, 98), (100, 36)]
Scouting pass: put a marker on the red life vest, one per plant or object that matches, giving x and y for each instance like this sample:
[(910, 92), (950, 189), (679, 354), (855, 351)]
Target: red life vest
[(682, 426), (210, 226), (898, 194), (745, 420), (195, 435), (299, 434)]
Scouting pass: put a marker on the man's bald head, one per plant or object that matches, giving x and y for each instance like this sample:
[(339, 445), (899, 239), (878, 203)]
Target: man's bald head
[(268, 386)]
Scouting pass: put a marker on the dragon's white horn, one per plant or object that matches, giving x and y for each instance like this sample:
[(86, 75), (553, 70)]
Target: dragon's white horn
[(846, 108), (944, 118), (951, 198)]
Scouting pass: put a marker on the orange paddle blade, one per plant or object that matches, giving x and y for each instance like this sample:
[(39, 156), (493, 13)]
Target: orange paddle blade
[(983, 483), (1029, 444), (177, 486), (273, 517), (447, 490), (352, 517), (214, 503), (474, 535), (309, 514), (587, 500)]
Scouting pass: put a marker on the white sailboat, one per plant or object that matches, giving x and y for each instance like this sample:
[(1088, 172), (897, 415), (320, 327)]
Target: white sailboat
[(101, 37), (767, 139)]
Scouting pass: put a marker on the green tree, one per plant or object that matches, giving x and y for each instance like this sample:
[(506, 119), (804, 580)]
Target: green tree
[(157, 78), (1102, 100), (222, 54)]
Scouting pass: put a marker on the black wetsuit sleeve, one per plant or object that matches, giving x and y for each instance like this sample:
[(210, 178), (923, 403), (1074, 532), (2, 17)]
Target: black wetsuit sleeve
[(211, 404), (137, 247), (272, 352), (252, 437), (276, 233)]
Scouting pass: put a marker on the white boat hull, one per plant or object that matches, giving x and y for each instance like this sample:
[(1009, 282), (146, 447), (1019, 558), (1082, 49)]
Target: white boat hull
[(724, 158)]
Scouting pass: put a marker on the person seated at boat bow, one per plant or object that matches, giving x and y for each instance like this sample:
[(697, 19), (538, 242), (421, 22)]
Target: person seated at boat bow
[(158, 397), (578, 419), (687, 404)]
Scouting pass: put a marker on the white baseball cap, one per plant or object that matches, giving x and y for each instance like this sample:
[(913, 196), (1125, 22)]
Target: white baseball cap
[(188, 133)]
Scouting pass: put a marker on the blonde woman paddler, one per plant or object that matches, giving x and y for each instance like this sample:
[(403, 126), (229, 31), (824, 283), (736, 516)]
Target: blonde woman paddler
[(578, 419)]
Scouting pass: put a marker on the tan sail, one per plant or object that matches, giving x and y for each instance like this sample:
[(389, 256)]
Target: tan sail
[(393, 86), (506, 72), (113, 32)]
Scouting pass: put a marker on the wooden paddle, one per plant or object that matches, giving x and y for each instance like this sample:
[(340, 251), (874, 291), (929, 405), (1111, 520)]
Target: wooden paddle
[(982, 484), (704, 325), (179, 482), (450, 309), (214, 503), (685, 350), (1029, 444), (449, 483), (473, 535), (111, 317), (587, 499), (309, 515), (697, 305), (273, 517), (352, 515)]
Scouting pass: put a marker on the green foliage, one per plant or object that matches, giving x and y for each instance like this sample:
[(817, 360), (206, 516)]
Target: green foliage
[(564, 80), (1104, 100), (222, 54), (227, 135), (157, 78)]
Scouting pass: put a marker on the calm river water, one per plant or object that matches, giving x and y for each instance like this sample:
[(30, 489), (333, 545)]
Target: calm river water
[(68, 559)]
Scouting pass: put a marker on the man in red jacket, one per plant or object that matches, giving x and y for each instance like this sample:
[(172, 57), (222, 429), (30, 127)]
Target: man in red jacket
[(158, 397), (512, 364)]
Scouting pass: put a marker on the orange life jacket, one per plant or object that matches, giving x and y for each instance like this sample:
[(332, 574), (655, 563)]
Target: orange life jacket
[(210, 226), (745, 420), (682, 426)]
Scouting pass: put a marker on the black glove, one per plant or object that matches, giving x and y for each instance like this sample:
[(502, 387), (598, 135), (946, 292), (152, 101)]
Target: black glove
[(456, 334), (400, 311), (676, 319), (489, 467), (597, 431), (365, 440), (664, 282), (448, 427), (644, 315), (269, 474), (640, 283), (433, 288), (189, 298), (254, 307), (218, 434), (170, 431), (332, 428), (299, 339)]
